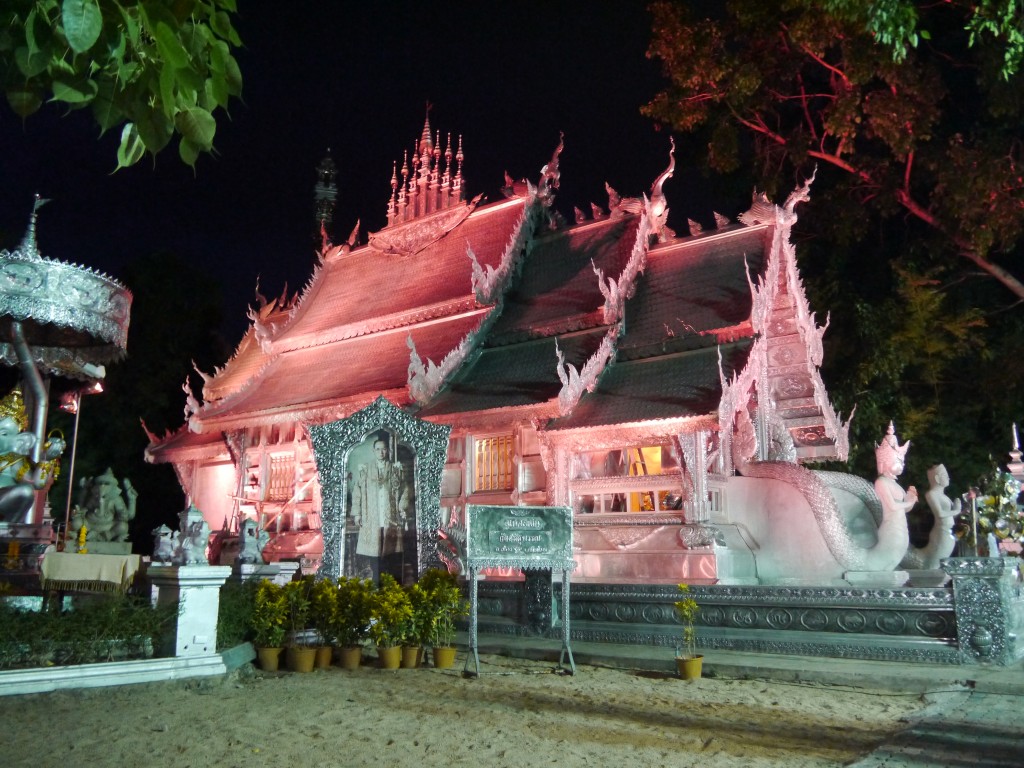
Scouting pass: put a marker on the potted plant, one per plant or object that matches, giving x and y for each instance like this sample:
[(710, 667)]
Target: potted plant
[(267, 623), (300, 654), (418, 629), (323, 603), (445, 604), (688, 661), (391, 615), (351, 625)]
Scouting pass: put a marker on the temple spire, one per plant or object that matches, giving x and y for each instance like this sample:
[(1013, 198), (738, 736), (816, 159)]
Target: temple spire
[(426, 185), (324, 193)]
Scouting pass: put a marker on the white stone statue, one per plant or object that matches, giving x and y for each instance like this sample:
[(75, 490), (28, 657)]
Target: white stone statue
[(103, 509), (819, 527), (889, 458), (187, 545), (944, 510), (163, 544), (253, 539), (193, 538)]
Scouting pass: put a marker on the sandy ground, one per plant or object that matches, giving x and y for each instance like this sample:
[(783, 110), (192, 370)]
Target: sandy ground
[(517, 713)]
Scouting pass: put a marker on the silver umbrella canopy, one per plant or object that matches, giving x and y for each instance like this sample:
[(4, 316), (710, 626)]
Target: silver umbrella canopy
[(57, 319)]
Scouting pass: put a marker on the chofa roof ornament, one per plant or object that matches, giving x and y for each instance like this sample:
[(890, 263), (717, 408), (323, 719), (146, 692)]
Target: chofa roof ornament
[(659, 203)]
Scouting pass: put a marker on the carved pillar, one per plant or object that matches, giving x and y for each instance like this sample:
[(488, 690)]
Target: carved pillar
[(985, 590), (694, 447)]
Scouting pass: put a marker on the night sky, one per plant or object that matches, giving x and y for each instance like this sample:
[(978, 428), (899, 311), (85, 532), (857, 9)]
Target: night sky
[(507, 76)]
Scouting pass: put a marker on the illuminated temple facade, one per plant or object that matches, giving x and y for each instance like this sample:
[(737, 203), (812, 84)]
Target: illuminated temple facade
[(599, 364)]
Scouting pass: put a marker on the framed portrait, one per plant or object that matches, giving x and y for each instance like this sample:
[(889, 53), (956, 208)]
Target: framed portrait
[(380, 477)]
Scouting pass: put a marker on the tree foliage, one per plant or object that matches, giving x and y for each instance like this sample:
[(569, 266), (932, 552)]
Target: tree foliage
[(898, 24), (935, 135), (913, 235), (156, 68)]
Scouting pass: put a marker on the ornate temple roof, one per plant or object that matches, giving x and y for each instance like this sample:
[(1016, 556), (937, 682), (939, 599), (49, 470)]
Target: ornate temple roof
[(558, 291), (467, 313), (679, 385), (512, 375), (694, 293)]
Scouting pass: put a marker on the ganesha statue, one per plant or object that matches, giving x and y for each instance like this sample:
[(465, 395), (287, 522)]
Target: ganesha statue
[(103, 508)]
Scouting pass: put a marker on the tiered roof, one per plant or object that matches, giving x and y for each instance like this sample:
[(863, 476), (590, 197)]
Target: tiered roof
[(470, 313)]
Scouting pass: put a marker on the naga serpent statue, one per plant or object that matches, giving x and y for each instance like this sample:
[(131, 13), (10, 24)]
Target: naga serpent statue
[(814, 527)]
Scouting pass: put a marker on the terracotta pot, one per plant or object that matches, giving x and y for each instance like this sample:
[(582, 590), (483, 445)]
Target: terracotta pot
[(444, 657), (323, 657), (690, 666), (411, 656), (389, 658), (300, 658), (269, 658), (350, 657)]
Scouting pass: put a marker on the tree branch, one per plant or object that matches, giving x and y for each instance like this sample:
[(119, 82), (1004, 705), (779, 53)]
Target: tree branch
[(1011, 283)]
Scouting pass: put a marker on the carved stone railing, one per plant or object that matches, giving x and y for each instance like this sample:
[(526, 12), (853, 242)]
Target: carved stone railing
[(989, 608)]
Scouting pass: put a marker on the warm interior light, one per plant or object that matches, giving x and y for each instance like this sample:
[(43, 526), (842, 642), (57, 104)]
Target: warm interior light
[(69, 402)]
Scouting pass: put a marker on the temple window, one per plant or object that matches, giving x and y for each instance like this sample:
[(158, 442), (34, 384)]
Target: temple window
[(281, 483), (492, 463), (643, 478)]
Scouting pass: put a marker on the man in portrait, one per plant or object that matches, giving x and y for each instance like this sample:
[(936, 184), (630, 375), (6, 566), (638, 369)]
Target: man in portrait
[(381, 504)]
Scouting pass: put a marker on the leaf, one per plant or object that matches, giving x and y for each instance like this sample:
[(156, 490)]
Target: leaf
[(155, 130), (31, 64), (233, 76), (170, 47), (131, 148), (167, 90), (24, 99), (197, 125), (216, 90), (78, 90), (83, 22), (188, 152), (131, 25), (106, 113)]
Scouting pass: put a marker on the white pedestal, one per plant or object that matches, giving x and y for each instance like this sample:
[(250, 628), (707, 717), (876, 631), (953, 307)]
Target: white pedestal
[(280, 573), (197, 588)]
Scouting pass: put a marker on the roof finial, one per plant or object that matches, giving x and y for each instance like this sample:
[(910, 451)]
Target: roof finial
[(426, 142), (392, 203), (28, 247)]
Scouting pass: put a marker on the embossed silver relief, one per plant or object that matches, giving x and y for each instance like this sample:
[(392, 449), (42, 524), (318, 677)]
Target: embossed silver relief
[(986, 591), (332, 445), (79, 317)]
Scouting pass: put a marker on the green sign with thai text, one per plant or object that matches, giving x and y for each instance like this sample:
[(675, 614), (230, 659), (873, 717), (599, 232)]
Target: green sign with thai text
[(519, 537)]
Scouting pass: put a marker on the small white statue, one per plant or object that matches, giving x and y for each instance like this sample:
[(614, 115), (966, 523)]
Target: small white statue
[(253, 539), (193, 538), (187, 545), (889, 457), (163, 544), (944, 510)]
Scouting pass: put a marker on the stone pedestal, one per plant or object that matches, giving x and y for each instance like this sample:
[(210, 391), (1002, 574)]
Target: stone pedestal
[(880, 579), (989, 608), (279, 573), (109, 547), (931, 579), (197, 588)]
